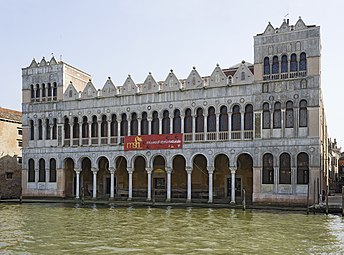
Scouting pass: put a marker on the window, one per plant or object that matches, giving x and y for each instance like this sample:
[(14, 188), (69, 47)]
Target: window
[(176, 122), (54, 89), (211, 120), (43, 90), (114, 125), (40, 130), (52, 170), (275, 65), (49, 90), (266, 66), (293, 63), (38, 90), (41, 170), (303, 113), (84, 128), (31, 174), (55, 129), (277, 115), (302, 168), (289, 115), (104, 127), (236, 118), (266, 116), (144, 124), (32, 91), (223, 118), (47, 129), (303, 62), (155, 123), (166, 122), (188, 121), (199, 121), (66, 128), (124, 125), (134, 124), (9, 175), (94, 126), (32, 130), (284, 64), (268, 169), (75, 128), (284, 169), (248, 117)]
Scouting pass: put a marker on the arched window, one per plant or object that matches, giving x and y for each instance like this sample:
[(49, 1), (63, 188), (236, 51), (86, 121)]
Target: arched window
[(43, 90), (268, 169), (176, 122), (223, 118), (94, 127), (104, 127), (165, 122), (32, 130), (155, 123), (293, 63), (134, 124), (124, 125), (66, 128), (54, 89), (303, 121), (284, 64), (248, 117), (303, 62), (31, 173), (266, 66), (188, 121), (52, 170), (114, 125), (40, 130), (211, 120), (284, 169), (49, 89), (275, 65), (55, 129), (85, 127), (302, 168), (266, 116), (76, 128), (32, 91), (144, 124), (199, 121), (38, 91), (47, 129), (277, 115), (41, 170), (289, 115), (236, 118)]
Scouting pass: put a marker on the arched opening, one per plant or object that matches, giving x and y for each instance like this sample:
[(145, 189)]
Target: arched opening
[(268, 169), (114, 129), (86, 178), (40, 130), (188, 121), (134, 124), (166, 122), (284, 64), (302, 168), (220, 177), (211, 120), (277, 115), (248, 117), (122, 177), (140, 176), (266, 66), (199, 178), (47, 129), (303, 118), (31, 171), (303, 62), (244, 177), (104, 130), (159, 183), (41, 170), (75, 131), (223, 118), (155, 123), (32, 130), (103, 178), (54, 128), (285, 169), (179, 178), (94, 130), (266, 116), (144, 124), (275, 65), (70, 181), (124, 125), (85, 130), (52, 170), (289, 115), (293, 63), (176, 122)]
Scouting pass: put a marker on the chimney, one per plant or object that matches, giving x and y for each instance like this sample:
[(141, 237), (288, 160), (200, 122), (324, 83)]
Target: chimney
[(288, 22)]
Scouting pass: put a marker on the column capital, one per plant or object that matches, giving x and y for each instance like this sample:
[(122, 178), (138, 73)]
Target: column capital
[(210, 169), (149, 170), (233, 170), (188, 169), (94, 170), (77, 170), (130, 170), (112, 170), (168, 170)]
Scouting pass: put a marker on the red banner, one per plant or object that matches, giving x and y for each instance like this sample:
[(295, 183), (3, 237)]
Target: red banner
[(153, 142)]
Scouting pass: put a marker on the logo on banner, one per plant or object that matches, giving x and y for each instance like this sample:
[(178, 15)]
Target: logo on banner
[(153, 142)]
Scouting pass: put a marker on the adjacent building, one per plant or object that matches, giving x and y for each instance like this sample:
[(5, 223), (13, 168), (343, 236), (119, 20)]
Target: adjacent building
[(10, 153), (257, 129)]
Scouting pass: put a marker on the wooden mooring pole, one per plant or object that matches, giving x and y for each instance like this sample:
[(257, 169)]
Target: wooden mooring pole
[(326, 200), (314, 196), (244, 200), (308, 198)]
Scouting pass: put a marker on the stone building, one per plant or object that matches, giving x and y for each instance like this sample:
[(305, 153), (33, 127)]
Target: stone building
[(334, 153), (10, 153), (258, 128)]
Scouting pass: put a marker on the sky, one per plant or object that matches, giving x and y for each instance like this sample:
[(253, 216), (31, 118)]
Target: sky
[(116, 38)]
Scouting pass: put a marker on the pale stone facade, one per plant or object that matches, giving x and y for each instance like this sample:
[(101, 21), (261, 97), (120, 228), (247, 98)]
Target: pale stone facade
[(255, 127)]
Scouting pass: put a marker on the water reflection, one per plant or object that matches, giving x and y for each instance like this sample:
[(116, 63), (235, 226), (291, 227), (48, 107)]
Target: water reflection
[(57, 229)]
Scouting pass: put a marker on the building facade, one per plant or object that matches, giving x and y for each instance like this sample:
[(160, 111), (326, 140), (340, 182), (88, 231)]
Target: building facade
[(10, 153), (258, 128)]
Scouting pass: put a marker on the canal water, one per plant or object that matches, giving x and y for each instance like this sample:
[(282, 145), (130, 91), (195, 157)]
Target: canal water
[(63, 229)]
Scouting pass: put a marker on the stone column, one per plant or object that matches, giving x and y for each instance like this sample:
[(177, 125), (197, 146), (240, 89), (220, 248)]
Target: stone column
[(171, 125), (189, 171), (193, 127), (94, 171), (276, 179), (129, 125), (108, 131), (139, 126), (51, 131), (210, 172), (70, 134), (233, 170), (169, 172), (293, 179), (77, 193), (99, 131), (149, 182), (80, 133), (89, 132), (181, 123), (205, 125), (119, 129), (130, 192), (149, 126), (112, 182)]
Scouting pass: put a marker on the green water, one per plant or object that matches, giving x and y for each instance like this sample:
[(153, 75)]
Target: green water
[(60, 229)]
